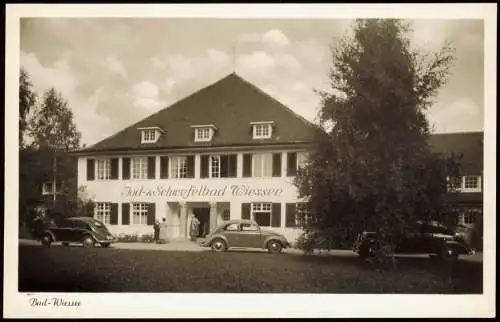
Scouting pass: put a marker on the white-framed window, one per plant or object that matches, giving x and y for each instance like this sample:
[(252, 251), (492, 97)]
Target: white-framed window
[(203, 133), (471, 182), (214, 166), (262, 131), (466, 184), (103, 169), (226, 215), (48, 188), (179, 167), (139, 167), (261, 213), (262, 164), (469, 216), (139, 213), (303, 215), (302, 158), (148, 135), (102, 212)]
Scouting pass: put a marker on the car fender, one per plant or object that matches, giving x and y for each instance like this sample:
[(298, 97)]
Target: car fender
[(456, 246), (48, 232), (283, 242), (209, 242)]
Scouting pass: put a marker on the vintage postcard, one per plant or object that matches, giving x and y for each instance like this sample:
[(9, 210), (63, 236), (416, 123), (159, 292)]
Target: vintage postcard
[(236, 160)]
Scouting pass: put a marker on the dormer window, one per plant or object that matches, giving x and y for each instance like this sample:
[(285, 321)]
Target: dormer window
[(262, 130), (203, 133), (150, 134)]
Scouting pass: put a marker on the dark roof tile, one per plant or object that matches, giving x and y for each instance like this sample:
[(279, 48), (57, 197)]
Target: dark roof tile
[(467, 144)]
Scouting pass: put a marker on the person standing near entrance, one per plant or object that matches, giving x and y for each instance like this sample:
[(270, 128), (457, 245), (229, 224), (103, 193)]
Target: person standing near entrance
[(195, 227), (163, 231), (156, 228)]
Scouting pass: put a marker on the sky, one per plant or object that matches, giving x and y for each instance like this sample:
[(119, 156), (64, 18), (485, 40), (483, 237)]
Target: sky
[(116, 71)]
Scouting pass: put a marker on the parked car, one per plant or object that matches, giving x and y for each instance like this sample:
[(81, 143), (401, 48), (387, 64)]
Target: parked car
[(431, 238), (85, 230), (244, 234)]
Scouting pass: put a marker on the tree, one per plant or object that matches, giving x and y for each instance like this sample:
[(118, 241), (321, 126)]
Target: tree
[(27, 102), (53, 134), (371, 166), (52, 124)]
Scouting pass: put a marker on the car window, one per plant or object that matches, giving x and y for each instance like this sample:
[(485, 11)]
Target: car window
[(249, 227), (437, 229), (232, 227), (63, 223), (97, 223)]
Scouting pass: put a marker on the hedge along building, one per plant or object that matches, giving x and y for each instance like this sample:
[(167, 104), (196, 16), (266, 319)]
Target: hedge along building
[(228, 151)]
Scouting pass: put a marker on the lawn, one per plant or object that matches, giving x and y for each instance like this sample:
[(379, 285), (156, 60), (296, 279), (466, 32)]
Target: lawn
[(76, 269)]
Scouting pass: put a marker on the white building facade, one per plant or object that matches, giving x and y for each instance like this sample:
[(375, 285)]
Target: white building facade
[(226, 152)]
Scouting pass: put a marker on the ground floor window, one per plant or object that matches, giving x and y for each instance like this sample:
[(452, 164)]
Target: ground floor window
[(226, 215), (303, 215), (261, 213), (139, 213), (102, 212), (469, 216)]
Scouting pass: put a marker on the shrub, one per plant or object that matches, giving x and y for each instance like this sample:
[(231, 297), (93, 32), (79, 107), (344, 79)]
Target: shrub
[(127, 238), (147, 238)]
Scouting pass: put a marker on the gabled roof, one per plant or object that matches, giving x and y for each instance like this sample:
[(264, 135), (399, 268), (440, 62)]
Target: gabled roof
[(467, 144), (230, 104)]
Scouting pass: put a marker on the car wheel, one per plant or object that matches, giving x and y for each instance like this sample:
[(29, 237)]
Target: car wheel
[(65, 244), (47, 240), (367, 252), (88, 242), (105, 245), (448, 255), (274, 246), (219, 245)]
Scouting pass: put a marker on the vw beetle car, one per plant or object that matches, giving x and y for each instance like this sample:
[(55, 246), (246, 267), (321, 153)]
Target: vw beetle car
[(244, 234), (85, 230), (431, 238)]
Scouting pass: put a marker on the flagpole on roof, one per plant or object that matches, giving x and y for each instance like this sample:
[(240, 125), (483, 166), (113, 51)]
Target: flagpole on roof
[(234, 58)]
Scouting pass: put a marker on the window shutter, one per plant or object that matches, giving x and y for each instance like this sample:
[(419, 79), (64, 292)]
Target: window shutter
[(125, 214), (114, 214), (290, 215), (245, 211), (114, 168), (276, 215), (90, 169), (291, 168), (164, 167), (190, 166), (247, 165), (151, 214), (224, 166), (204, 166), (151, 167), (126, 168), (232, 168), (276, 164)]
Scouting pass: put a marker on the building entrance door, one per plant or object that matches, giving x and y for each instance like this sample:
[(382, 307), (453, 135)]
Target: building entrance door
[(203, 215)]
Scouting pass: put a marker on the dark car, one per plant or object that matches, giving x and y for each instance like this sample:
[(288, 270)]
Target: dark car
[(431, 238), (244, 234), (85, 230)]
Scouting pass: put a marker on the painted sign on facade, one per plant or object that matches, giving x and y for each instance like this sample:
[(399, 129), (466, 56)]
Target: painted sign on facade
[(202, 190)]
